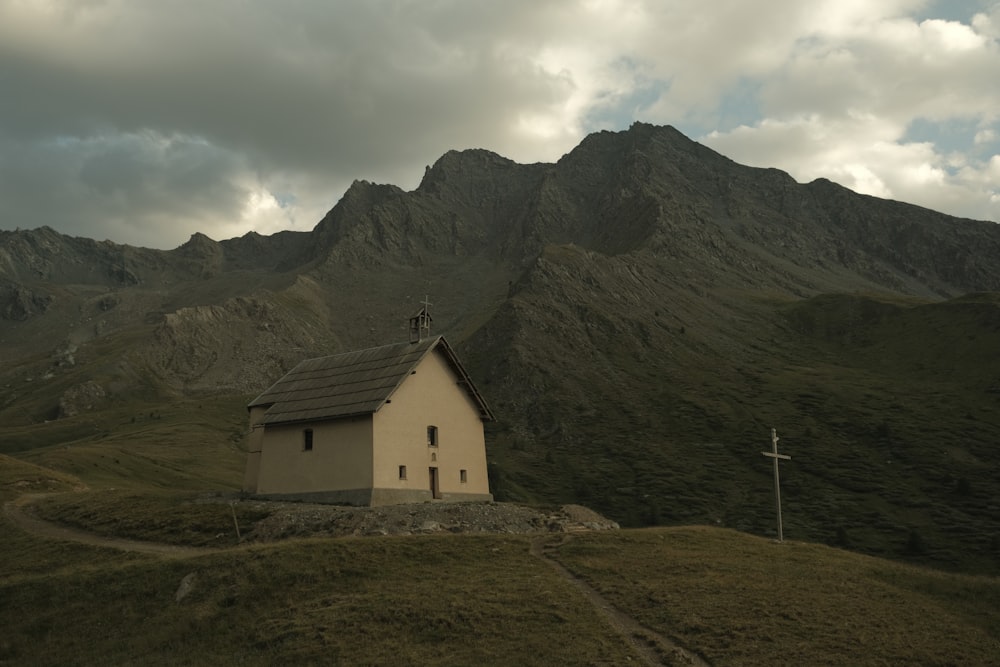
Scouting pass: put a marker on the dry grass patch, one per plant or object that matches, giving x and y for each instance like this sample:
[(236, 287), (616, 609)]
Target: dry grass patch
[(435, 600), (18, 477), (742, 600)]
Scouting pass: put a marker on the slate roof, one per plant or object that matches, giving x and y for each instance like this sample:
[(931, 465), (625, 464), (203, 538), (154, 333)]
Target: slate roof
[(354, 383)]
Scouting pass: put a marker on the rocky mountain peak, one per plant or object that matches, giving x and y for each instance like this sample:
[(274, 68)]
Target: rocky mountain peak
[(199, 245), (359, 200), (455, 166)]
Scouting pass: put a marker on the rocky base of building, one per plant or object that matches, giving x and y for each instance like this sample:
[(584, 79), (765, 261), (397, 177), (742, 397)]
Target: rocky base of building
[(287, 520)]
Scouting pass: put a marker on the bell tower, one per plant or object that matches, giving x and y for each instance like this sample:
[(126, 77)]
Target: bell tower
[(420, 324)]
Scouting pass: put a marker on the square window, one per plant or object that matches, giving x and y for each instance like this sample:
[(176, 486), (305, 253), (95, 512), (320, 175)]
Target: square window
[(402, 472), (432, 436), (463, 476), (307, 440)]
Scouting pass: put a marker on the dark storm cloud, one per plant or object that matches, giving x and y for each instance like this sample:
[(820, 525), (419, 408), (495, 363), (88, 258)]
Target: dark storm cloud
[(146, 121), (153, 111)]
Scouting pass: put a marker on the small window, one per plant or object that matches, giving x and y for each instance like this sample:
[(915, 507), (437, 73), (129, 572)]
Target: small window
[(463, 476), (307, 440), (432, 436), (402, 472)]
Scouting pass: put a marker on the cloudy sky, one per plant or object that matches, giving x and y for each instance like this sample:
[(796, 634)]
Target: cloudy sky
[(143, 121)]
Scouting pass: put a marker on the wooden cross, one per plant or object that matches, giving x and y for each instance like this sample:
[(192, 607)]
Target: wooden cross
[(774, 455)]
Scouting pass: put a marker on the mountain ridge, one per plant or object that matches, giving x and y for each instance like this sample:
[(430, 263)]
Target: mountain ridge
[(639, 314)]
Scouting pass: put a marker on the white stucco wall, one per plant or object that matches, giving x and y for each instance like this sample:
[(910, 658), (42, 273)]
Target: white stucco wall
[(430, 397)]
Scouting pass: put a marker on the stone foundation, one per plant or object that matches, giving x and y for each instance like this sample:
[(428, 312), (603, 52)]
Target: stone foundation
[(375, 497)]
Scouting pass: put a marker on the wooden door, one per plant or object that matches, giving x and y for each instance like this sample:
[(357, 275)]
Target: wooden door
[(435, 490)]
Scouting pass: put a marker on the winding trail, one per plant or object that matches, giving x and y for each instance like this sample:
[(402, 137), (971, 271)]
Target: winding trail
[(15, 510), (652, 647)]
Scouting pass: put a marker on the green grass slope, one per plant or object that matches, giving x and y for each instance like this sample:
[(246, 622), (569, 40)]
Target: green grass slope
[(640, 401), (185, 443), (23, 555), (742, 600), (447, 601), (465, 599)]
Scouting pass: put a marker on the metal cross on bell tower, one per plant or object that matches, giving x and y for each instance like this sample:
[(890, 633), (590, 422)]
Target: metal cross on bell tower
[(774, 455)]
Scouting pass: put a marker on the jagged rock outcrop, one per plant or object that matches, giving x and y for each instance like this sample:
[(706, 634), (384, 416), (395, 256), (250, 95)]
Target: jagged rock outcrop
[(240, 345), (19, 303), (81, 398)]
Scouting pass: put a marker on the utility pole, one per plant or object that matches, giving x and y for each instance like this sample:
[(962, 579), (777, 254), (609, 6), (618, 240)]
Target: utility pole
[(774, 455)]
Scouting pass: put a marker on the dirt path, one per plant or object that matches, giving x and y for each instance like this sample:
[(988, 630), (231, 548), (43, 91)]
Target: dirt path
[(17, 512), (652, 647)]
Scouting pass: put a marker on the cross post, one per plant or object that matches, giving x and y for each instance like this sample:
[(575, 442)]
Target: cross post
[(774, 455)]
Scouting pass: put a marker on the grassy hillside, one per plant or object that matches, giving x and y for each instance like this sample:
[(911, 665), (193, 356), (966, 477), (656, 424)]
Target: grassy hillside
[(743, 600), (185, 443), (465, 599), (889, 407), (25, 556), (733, 598)]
